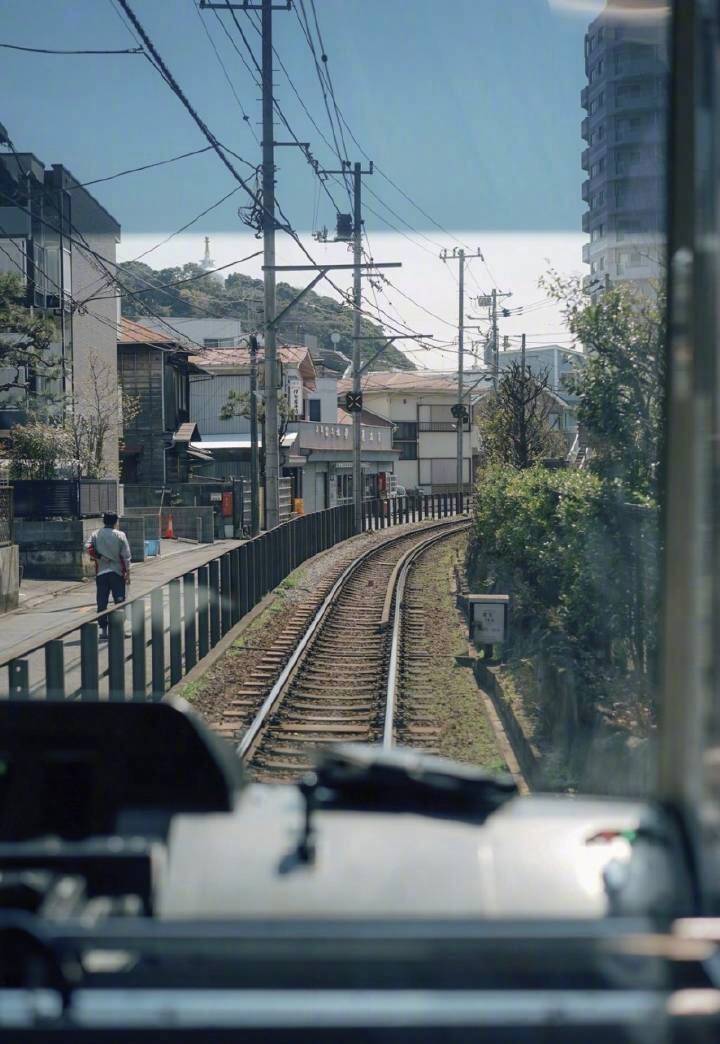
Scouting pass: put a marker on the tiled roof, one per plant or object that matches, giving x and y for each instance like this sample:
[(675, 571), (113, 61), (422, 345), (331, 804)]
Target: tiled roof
[(130, 332), (225, 358), (402, 381)]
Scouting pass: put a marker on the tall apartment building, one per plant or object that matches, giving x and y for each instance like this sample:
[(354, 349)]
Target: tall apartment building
[(624, 130), (53, 233)]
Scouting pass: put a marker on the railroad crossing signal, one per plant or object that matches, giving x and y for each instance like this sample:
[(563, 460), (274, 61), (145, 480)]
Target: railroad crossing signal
[(459, 411), (354, 402)]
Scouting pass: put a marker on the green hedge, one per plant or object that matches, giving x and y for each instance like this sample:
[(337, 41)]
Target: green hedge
[(577, 565)]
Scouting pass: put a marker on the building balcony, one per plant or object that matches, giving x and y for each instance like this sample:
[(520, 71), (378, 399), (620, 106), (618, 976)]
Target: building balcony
[(585, 129), (584, 97), (585, 159), (585, 191), (586, 253), (586, 221)]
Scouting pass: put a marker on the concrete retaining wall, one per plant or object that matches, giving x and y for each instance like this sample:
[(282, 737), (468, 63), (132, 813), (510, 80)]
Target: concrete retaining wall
[(55, 550), (9, 577), (134, 529)]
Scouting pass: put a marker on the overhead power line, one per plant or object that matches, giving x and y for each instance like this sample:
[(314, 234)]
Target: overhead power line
[(175, 87), (49, 50), (146, 166)]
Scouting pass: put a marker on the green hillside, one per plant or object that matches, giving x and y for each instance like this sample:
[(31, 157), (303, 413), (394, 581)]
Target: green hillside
[(241, 297)]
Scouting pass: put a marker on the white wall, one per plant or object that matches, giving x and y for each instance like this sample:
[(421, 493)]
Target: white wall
[(95, 335), (326, 392)]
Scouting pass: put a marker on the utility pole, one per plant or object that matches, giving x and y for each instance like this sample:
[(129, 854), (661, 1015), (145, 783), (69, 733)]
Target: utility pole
[(356, 396), (357, 306), (496, 340), (491, 301), (272, 442), (459, 409), (254, 471), (460, 374)]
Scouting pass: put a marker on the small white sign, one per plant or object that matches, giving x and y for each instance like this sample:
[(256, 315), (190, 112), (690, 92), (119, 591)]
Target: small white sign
[(488, 618)]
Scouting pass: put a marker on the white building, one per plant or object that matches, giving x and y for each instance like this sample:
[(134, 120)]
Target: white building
[(317, 446), (202, 333), (419, 405)]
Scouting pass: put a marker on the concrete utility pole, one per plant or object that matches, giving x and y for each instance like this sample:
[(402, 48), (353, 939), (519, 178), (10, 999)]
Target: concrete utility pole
[(272, 442), (358, 266), (357, 315), (458, 409), (460, 374), (254, 471)]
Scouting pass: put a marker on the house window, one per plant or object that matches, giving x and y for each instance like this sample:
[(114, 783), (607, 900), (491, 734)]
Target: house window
[(181, 394), (219, 342), (314, 409), (405, 439)]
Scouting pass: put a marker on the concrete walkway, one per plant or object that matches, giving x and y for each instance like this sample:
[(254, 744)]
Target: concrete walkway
[(60, 606)]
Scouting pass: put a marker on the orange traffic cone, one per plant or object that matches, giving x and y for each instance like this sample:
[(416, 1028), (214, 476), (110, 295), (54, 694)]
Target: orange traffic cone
[(168, 531)]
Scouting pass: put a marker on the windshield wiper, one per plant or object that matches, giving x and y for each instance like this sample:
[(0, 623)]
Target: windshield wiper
[(363, 778), (405, 780)]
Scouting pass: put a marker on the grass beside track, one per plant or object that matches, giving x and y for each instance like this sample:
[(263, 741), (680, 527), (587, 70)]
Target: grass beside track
[(465, 733)]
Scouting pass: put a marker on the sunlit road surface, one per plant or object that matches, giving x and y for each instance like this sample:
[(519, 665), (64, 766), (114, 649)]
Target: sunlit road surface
[(39, 624)]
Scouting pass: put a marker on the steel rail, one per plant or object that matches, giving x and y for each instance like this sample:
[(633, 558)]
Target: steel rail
[(394, 604), (246, 744)]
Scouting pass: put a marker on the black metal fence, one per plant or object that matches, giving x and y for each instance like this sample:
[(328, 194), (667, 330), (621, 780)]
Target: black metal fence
[(64, 498), (379, 514), (6, 515), (175, 625)]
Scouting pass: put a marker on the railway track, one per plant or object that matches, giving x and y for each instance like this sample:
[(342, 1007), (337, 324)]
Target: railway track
[(343, 679)]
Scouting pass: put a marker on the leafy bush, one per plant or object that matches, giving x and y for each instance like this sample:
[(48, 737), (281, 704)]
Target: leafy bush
[(566, 550)]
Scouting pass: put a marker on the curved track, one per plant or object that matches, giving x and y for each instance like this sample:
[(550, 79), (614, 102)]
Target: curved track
[(340, 684)]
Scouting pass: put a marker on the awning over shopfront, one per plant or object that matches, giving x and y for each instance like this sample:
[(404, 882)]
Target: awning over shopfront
[(238, 442)]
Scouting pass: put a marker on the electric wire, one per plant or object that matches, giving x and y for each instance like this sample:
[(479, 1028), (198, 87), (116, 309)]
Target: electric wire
[(146, 166), (49, 50), (226, 74)]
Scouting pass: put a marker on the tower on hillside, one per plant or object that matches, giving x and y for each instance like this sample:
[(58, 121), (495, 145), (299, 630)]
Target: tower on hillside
[(208, 264)]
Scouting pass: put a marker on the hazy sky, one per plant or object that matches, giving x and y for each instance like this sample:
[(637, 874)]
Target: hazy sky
[(471, 106)]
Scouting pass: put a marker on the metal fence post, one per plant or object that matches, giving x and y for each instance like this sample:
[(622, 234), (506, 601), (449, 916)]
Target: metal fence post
[(18, 680), (89, 673), (116, 655), (235, 585), (139, 653), (189, 621), (203, 611), (175, 600), (55, 669), (225, 594), (214, 603), (157, 643)]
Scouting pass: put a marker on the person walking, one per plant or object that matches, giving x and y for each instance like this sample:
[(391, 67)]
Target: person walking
[(110, 550)]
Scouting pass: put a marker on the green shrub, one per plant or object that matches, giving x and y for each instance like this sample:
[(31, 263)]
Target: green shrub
[(561, 544)]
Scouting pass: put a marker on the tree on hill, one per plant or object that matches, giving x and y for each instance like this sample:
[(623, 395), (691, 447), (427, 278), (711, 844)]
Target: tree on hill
[(241, 297)]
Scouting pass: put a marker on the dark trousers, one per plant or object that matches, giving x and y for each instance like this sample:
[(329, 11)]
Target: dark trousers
[(108, 584)]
